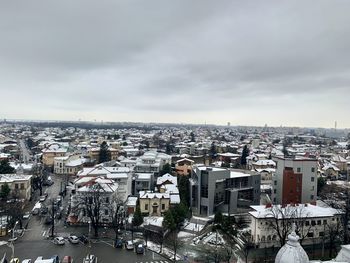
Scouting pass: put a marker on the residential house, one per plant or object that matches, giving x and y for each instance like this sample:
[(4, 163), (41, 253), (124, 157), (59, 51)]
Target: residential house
[(96, 193), (20, 185), (184, 166)]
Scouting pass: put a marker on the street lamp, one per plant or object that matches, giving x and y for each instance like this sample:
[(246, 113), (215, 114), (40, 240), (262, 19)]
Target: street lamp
[(11, 240)]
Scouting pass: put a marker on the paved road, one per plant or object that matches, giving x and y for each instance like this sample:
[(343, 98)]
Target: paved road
[(104, 252), (26, 155)]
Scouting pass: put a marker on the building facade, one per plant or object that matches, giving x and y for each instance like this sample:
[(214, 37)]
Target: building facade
[(226, 190), (295, 180)]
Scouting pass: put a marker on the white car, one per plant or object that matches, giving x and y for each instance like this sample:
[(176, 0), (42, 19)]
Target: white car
[(27, 261), (129, 245), (42, 198), (59, 241), (26, 215), (73, 239), (90, 259)]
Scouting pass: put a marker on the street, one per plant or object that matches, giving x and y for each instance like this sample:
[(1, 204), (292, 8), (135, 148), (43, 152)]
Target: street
[(36, 242), (104, 252)]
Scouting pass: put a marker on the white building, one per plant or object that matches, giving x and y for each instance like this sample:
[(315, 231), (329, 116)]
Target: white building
[(96, 190), (120, 175), (312, 222)]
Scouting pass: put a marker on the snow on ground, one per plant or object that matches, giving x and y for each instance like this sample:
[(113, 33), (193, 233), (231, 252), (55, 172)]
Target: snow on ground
[(183, 234), (194, 227), (209, 239), (153, 220), (165, 251)]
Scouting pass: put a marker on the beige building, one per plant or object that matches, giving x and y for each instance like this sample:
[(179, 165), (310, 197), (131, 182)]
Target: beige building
[(154, 204), (94, 153), (49, 154), (69, 165), (184, 166), (19, 184)]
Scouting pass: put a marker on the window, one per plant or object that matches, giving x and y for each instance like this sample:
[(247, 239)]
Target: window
[(312, 169), (16, 186), (106, 212), (312, 188), (312, 197), (298, 170), (310, 234), (318, 222), (107, 199), (307, 223), (274, 191), (146, 206), (321, 234), (313, 222), (275, 182), (22, 186), (312, 179), (163, 206), (325, 222)]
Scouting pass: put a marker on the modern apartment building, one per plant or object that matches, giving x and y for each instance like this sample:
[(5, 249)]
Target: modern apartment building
[(295, 180), (226, 190)]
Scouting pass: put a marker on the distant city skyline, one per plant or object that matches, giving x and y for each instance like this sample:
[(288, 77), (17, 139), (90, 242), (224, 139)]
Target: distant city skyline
[(247, 63)]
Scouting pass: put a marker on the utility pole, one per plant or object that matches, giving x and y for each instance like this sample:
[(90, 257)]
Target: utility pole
[(53, 219)]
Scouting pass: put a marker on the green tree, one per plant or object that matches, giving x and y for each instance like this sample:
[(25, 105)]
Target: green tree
[(179, 213), (184, 189), (137, 220), (321, 182), (193, 139), (169, 221), (6, 168), (245, 154), (218, 218), (4, 191), (105, 154), (166, 169)]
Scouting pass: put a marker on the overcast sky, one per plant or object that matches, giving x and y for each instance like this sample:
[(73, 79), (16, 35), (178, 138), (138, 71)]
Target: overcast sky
[(245, 62)]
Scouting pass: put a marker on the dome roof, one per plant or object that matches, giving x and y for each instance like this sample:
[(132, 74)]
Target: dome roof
[(292, 251)]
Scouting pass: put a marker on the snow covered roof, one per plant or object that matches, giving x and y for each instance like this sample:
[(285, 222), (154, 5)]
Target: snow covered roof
[(10, 178), (265, 162), (175, 199), (151, 195), (303, 211), (167, 178), (143, 176)]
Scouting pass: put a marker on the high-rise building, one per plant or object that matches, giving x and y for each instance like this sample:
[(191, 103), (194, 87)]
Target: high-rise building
[(295, 180)]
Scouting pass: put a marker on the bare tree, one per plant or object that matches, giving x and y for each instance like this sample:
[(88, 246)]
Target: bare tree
[(282, 218), (94, 204), (117, 215), (333, 233)]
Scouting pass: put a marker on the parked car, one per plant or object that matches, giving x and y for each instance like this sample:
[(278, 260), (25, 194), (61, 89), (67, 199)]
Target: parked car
[(84, 239), (27, 261), (56, 259), (73, 239), (35, 211), (119, 243), (42, 198), (44, 210), (129, 245), (59, 241), (67, 259), (26, 215), (90, 259), (48, 220), (14, 260), (140, 249), (48, 183)]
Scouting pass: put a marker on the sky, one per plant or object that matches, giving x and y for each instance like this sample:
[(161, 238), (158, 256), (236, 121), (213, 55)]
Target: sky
[(244, 62)]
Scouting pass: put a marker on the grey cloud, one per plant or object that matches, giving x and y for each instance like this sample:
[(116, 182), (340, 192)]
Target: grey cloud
[(170, 60)]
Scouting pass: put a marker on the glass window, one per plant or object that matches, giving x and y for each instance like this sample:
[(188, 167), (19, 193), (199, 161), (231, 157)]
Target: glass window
[(298, 169), (312, 179), (146, 206), (313, 169)]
